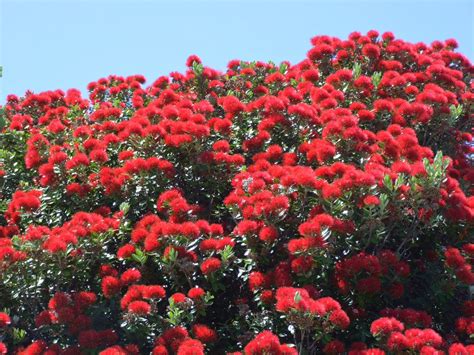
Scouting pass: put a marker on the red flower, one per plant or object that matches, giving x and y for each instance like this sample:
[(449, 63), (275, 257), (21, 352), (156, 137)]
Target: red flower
[(153, 291), (454, 258), (45, 318), (139, 307), (268, 234), (173, 337), (221, 146), (257, 280), (203, 333), (160, 350), (126, 251), (267, 343), (119, 350), (371, 200), (369, 285), (396, 290), (107, 270), (196, 293), (28, 201), (59, 300), (321, 51), (371, 50), (178, 297), (210, 265), (267, 296), (385, 326), (334, 347), (302, 264), (246, 227), (340, 319), (130, 276), (232, 105), (84, 299), (91, 339), (192, 59), (4, 319), (37, 347), (191, 347), (110, 286)]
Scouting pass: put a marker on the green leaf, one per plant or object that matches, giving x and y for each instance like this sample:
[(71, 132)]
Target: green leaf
[(172, 255), (198, 68), (139, 256), (227, 253), (356, 70), (297, 297), (18, 335), (283, 68), (376, 78), (3, 121), (455, 113), (387, 181), (124, 207)]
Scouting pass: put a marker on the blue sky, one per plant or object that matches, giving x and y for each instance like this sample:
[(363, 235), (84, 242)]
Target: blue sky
[(47, 45)]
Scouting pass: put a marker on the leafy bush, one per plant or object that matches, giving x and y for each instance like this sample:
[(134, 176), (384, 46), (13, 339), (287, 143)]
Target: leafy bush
[(322, 207)]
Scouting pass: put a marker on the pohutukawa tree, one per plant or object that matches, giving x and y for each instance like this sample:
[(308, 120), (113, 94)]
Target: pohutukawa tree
[(321, 207)]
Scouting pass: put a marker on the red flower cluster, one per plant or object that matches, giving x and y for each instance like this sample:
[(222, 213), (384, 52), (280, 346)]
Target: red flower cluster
[(4, 319), (268, 343), (23, 202), (265, 209), (69, 311), (462, 265), (366, 274), (177, 340), (304, 310)]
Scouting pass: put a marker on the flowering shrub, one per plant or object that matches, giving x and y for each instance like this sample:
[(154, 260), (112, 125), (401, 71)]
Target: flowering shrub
[(321, 207)]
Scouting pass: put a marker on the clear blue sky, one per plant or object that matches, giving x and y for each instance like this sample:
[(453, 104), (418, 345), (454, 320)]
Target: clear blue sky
[(48, 45)]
